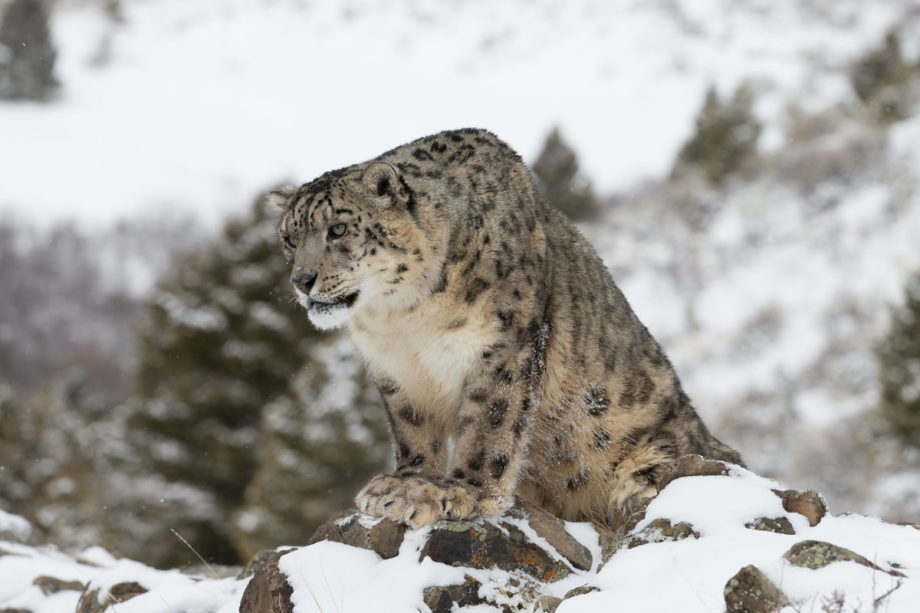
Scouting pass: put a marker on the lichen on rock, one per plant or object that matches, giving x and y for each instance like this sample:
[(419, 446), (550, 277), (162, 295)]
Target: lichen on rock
[(750, 591)]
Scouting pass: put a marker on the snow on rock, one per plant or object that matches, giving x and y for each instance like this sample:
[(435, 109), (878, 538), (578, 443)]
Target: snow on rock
[(718, 537), (726, 514), (728, 539)]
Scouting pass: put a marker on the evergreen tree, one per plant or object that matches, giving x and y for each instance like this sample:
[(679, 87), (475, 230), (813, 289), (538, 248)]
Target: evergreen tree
[(885, 82), (220, 340), (14, 441), (556, 169), (27, 54), (725, 140), (319, 444), (49, 468), (899, 368), (113, 10)]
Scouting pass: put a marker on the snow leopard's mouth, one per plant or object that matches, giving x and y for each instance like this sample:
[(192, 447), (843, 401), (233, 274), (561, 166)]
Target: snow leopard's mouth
[(321, 306)]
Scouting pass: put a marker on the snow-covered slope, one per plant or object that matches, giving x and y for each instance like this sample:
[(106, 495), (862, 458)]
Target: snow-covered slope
[(199, 105), (729, 522), (44, 580)]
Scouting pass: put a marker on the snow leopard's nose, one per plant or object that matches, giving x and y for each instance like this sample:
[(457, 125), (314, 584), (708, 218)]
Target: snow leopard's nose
[(303, 280)]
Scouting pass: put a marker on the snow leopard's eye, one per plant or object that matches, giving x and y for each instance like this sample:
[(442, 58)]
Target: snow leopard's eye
[(289, 242), (337, 231)]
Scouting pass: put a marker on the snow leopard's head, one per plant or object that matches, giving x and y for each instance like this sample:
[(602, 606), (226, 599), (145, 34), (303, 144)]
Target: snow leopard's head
[(352, 239)]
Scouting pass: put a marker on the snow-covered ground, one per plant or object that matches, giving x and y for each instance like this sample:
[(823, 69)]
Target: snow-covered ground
[(169, 591), (197, 106), (667, 575)]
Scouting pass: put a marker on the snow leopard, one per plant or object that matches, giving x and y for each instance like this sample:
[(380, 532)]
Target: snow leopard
[(508, 361)]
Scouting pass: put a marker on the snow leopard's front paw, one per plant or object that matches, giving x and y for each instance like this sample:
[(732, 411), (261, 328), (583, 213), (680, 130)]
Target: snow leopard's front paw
[(416, 501)]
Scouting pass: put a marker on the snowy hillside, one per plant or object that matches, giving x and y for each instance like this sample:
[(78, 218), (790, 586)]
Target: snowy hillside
[(772, 307), (197, 106)]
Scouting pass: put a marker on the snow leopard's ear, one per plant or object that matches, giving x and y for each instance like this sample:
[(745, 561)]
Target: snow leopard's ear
[(383, 185), (279, 199)]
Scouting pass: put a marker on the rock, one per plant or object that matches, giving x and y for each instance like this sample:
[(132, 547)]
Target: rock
[(268, 591), (260, 560), (546, 604), (98, 601), (610, 542), (779, 525), (750, 591), (382, 536), (818, 554), (445, 599), (578, 591), (808, 503), (482, 544), (552, 529), (661, 530), (692, 465), (624, 521), (53, 585), (518, 592)]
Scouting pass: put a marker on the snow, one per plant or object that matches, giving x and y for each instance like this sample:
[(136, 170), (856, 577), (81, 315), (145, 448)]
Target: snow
[(169, 591), (686, 575), (697, 500), (585, 534), (695, 571), (335, 577)]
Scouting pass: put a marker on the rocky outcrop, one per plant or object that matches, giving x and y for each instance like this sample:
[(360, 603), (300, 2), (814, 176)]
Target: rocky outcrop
[(268, 590), (382, 536), (484, 545), (530, 545)]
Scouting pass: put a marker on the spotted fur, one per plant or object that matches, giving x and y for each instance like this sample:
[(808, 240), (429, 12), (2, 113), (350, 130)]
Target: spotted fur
[(489, 323)]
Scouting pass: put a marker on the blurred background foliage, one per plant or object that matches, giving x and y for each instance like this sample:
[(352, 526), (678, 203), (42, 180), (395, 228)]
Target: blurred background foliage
[(156, 376)]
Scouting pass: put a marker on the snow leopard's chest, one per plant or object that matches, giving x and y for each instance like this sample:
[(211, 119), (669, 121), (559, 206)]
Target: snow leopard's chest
[(429, 353)]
